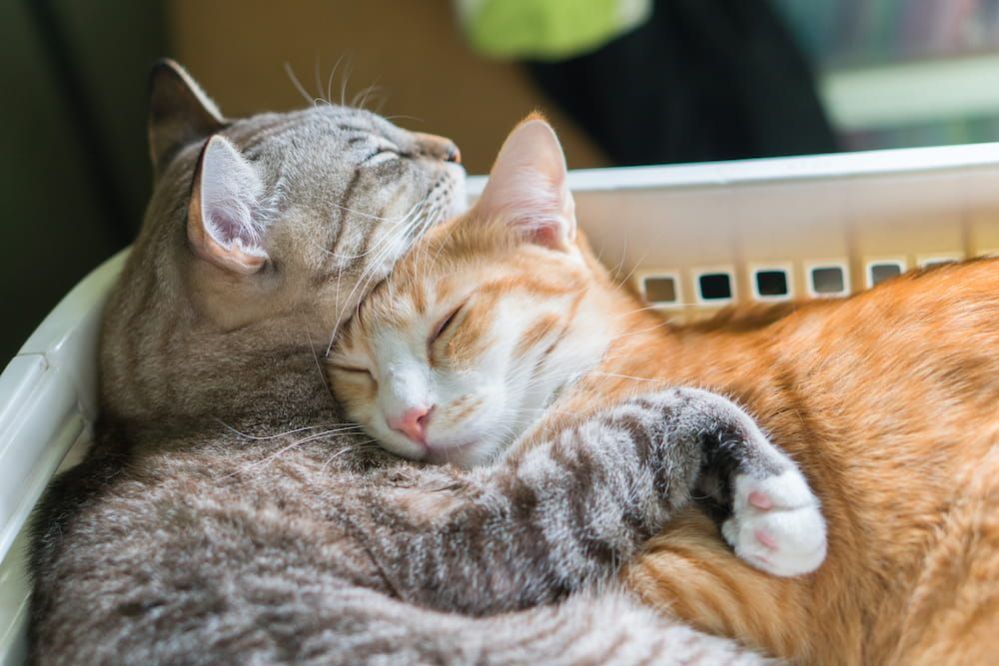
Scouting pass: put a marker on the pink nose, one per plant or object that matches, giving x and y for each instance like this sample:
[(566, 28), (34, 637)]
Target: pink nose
[(412, 423)]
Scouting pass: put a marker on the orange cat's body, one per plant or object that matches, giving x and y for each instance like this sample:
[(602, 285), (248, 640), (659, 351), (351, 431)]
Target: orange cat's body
[(889, 401)]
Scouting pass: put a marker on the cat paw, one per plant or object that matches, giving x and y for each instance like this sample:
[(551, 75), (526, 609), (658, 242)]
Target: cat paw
[(776, 524)]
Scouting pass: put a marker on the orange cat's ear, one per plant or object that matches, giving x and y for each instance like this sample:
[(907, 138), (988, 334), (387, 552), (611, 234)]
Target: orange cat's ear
[(527, 186), (221, 219)]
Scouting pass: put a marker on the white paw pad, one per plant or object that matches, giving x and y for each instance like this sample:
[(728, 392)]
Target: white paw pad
[(777, 524)]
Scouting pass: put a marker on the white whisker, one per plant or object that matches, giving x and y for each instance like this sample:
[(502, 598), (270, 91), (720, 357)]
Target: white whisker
[(329, 81), (265, 437), (418, 220), (319, 86), (348, 69), (296, 83), (632, 377), (273, 456)]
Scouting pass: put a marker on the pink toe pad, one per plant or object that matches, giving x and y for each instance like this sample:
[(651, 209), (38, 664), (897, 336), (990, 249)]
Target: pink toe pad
[(765, 539), (760, 500)]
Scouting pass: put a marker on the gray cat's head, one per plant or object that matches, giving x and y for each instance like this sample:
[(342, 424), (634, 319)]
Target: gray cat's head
[(262, 235)]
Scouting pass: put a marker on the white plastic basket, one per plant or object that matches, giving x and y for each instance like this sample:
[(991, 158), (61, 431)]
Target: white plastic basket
[(48, 403), (850, 212)]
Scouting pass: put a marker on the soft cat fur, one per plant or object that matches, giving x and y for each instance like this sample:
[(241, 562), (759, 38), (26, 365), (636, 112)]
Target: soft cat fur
[(889, 401), (222, 515)]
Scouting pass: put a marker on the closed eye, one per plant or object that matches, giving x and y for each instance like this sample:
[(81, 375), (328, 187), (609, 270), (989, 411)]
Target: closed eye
[(381, 154), (443, 325), (354, 370)]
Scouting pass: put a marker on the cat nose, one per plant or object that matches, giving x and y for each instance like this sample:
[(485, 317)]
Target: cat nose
[(412, 423), (438, 147)]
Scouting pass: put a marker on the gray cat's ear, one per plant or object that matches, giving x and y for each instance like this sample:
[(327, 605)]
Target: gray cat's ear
[(528, 186), (223, 225), (179, 112)]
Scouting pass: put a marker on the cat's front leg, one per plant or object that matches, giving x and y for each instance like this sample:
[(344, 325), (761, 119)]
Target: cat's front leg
[(772, 518), (567, 512), (545, 521)]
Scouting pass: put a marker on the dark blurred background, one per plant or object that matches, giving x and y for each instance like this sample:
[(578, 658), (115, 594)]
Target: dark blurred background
[(692, 80)]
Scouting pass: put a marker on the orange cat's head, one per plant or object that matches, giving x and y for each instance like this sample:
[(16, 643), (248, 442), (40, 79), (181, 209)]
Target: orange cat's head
[(477, 329)]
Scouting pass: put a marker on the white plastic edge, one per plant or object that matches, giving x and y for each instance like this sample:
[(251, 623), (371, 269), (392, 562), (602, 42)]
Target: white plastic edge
[(48, 397), (777, 169)]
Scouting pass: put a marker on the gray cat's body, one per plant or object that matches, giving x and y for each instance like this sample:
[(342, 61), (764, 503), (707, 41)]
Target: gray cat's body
[(207, 548), (224, 517)]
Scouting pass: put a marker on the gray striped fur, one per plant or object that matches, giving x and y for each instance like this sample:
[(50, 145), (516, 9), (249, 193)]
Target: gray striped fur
[(224, 516), (208, 548)]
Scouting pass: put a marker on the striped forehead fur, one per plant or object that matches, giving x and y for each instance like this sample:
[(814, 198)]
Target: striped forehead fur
[(465, 243)]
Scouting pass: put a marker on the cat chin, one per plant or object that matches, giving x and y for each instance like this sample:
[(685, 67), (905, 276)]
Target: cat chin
[(468, 454), (399, 446)]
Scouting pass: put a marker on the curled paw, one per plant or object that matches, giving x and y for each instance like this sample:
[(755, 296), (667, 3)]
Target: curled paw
[(777, 524)]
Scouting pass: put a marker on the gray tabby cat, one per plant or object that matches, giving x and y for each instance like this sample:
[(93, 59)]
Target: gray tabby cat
[(194, 534)]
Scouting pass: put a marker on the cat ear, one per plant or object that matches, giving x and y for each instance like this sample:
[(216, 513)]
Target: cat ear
[(179, 112), (224, 202), (527, 186)]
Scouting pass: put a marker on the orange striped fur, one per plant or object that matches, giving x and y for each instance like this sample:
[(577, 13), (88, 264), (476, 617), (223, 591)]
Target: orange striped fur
[(888, 401)]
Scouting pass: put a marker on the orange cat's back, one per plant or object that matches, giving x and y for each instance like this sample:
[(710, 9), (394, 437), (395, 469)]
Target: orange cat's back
[(890, 403), (953, 614)]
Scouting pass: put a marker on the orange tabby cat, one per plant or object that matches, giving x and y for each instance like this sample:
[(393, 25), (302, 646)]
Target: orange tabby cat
[(889, 402)]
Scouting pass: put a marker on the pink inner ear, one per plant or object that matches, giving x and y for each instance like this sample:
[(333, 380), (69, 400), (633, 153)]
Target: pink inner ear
[(548, 235), (527, 186), (221, 225), (230, 190), (228, 228)]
